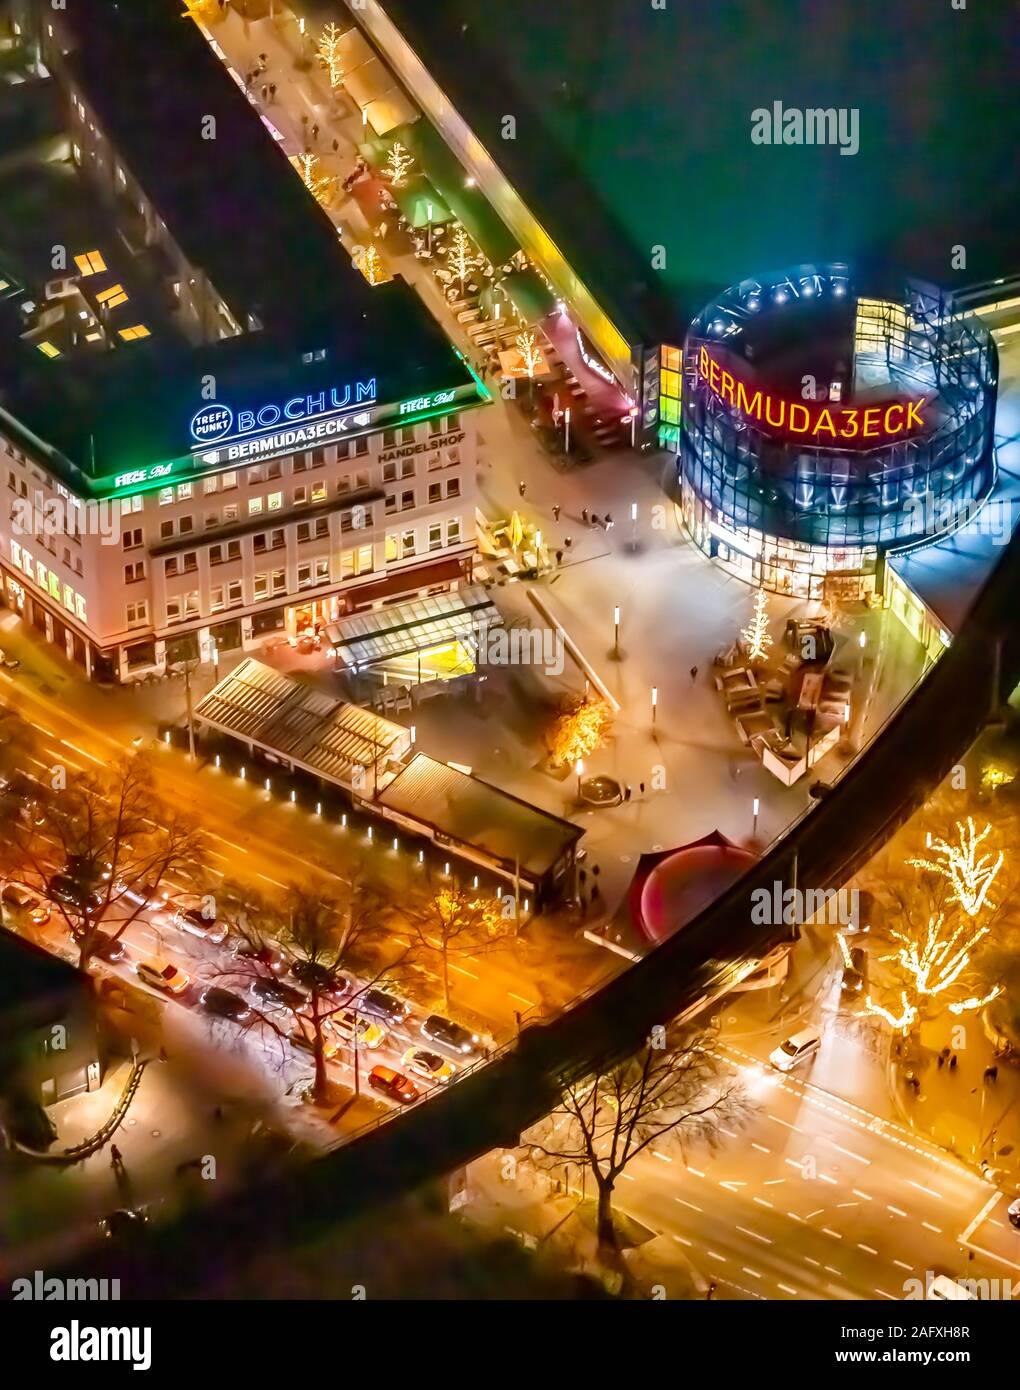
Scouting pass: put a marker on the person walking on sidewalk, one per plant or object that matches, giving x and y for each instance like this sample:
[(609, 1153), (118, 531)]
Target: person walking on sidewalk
[(584, 515), (556, 511), (522, 488), (694, 674)]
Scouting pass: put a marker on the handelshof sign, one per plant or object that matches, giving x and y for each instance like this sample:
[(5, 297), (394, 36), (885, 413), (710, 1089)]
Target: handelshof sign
[(216, 423), (850, 426)]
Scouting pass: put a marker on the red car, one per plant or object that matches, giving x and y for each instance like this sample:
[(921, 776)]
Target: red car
[(393, 1084)]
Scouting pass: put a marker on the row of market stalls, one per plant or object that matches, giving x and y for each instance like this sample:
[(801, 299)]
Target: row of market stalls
[(291, 724), (497, 294)]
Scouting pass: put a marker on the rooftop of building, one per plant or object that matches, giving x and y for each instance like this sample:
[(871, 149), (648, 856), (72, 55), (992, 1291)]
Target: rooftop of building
[(634, 133), (31, 978), (240, 213)]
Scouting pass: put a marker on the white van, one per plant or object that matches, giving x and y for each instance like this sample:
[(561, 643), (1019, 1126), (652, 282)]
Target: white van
[(794, 1050)]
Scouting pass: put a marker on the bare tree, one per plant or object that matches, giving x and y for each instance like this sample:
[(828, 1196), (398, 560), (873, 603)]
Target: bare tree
[(677, 1091), (115, 841)]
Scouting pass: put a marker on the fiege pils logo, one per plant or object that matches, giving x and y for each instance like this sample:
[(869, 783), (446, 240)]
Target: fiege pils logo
[(211, 422)]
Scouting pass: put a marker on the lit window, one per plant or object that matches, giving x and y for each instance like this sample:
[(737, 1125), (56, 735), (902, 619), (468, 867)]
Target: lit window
[(275, 501), (436, 536), (183, 491), (16, 553), (79, 607), (254, 506), (318, 492), (54, 586), (69, 598), (90, 262), (453, 531), (112, 296), (48, 350), (138, 331)]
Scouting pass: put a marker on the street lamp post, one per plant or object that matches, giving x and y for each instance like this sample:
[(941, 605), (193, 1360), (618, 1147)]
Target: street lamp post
[(566, 430), (754, 818), (579, 769), (616, 631), (430, 228), (655, 702), (633, 526)]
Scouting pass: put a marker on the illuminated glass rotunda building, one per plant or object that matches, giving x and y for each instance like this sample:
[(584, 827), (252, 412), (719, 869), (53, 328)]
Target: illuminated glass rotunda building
[(821, 426)]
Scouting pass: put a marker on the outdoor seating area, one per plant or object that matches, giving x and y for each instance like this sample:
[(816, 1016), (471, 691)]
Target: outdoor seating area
[(791, 709)]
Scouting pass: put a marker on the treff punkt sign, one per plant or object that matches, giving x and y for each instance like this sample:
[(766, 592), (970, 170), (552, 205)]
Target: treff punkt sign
[(852, 426)]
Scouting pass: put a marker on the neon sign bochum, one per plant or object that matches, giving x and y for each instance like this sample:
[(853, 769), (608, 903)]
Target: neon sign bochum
[(215, 423), (852, 426)]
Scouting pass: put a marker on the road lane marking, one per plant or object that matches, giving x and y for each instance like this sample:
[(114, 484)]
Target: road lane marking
[(863, 1195), (684, 1203), (696, 1171), (824, 1177), (811, 1214), (82, 754), (746, 1269), (682, 1240), (760, 1147), (808, 1260), (849, 1152), (732, 1185), (773, 1182), (835, 1235), (665, 1157), (903, 1264), (788, 1126), (930, 1190), (274, 881), (461, 971), (989, 1255), (895, 1211), (714, 1256), (982, 1214), (937, 1230), (867, 1248), (786, 1289), (754, 1235), (762, 1203), (890, 1296), (529, 1002)]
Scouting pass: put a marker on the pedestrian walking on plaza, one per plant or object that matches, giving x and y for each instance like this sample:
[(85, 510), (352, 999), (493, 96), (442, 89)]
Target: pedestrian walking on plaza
[(694, 674), (522, 488), (952, 1062), (584, 515), (315, 133), (336, 143), (940, 1061), (595, 896), (559, 557), (626, 793), (263, 59), (609, 523), (556, 511), (265, 92), (272, 91), (641, 788), (710, 1294), (568, 541)]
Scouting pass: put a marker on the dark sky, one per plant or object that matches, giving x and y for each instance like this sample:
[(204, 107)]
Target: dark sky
[(653, 108)]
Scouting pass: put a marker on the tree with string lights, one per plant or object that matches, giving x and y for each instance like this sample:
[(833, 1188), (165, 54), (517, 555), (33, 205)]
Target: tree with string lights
[(328, 54), (462, 256), (756, 635), (399, 163), (369, 262)]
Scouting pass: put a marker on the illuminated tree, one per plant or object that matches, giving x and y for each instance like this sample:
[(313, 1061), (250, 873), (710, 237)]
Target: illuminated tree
[(328, 54), (969, 874), (456, 922), (202, 11), (322, 186), (756, 635), (580, 729), (462, 257), (933, 965), (369, 262), (399, 163), (675, 1090), (531, 354)]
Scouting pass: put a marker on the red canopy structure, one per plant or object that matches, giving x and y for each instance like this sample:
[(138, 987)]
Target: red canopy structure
[(670, 887)]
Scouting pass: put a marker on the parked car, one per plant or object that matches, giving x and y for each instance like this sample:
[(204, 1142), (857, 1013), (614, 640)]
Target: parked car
[(303, 1043), (272, 993), (195, 919), (264, 953), (147, 894), (62, 888), (1013, 1213), (314, 975), (393, 1084), (797, 1049), (854, 974), (27, 796), (108, 948), (88, 869), (370, 1033), (224, 1003), (23, 902), (448, 1034), (948, 1290), (429, 1065), (163, 974), (387, 1007)]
